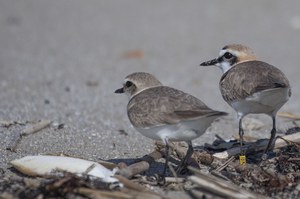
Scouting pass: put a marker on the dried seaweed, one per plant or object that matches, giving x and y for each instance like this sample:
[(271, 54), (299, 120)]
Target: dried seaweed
[(212, 177)]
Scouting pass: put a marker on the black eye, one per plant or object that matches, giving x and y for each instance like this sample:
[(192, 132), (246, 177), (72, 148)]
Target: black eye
[(228, 55), (128, 84)]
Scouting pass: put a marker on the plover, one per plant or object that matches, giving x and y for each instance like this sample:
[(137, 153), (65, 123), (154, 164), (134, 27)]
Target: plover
[(164, 113), (251, 86)]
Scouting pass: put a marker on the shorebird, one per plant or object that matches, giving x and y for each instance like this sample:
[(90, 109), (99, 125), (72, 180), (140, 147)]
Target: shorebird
[(164, 113), (250, 86)]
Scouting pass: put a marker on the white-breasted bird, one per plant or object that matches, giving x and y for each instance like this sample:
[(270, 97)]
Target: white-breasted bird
[(250, 86), (164, 113)]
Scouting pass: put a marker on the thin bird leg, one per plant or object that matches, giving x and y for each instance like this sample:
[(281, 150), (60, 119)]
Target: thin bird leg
[(273, 133), (189, 153), (167, 159), (241, 132)]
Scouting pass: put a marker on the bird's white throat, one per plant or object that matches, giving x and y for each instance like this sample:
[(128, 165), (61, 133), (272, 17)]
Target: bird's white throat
[(224, 66)]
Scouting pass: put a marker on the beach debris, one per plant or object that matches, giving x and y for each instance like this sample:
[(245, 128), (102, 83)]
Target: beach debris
[(92, 83), (141, 166), (219, 187), (289, 115), (134, 54), (9, 123), (42, 165), (17, 135), (260, 146)]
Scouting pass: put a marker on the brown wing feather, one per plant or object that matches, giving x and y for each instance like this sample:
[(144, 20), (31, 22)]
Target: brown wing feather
[(247, 78), (164, 105)]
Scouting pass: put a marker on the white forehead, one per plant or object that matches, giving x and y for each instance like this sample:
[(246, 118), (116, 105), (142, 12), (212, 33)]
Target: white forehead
[(222, 52), (234, 52)]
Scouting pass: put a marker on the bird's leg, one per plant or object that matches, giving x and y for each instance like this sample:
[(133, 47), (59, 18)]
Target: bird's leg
[(273, 133), (242, 156), (161, 179), (241, 131), (167, 159), (189, 153)]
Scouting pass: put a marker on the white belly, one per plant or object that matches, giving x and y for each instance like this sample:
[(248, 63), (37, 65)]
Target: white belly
[(183, 131), (268, 102)]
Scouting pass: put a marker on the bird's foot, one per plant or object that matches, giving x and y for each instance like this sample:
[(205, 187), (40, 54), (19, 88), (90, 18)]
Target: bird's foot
[(264, 156), (160, 179), (182, 170)]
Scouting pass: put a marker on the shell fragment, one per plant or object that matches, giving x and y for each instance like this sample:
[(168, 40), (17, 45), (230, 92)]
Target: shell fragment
[(45, 164)]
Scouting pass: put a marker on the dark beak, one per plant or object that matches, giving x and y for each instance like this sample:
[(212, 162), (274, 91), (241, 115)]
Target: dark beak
[(210, 63), (120, 90)]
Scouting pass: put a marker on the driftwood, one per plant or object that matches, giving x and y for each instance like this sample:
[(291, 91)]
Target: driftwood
[(212, 160), (225, 164), (289, 115), (130, 190), (8, 123), (260, 146), (30, 130), (124, 194), (129, 184), (145, 162), (108, 165), (219, 187), (140, 166), (180, 148)]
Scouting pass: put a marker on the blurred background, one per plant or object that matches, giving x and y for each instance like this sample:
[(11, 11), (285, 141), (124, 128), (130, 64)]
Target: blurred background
[(63, 59)]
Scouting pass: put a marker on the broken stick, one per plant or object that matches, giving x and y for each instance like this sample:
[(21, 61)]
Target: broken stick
[(30, 130), (289, 115), (220, 187), (260, 146), (140, 166)]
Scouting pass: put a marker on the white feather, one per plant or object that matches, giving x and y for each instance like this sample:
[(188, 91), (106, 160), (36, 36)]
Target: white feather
[(183, 131), (267, 101)]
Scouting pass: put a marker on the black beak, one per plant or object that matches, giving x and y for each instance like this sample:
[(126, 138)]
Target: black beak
[(120, 90), (210, 63)]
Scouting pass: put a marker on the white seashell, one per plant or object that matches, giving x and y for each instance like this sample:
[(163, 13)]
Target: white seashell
[(45, 164)]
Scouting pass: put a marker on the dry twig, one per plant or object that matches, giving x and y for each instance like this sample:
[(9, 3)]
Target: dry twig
[(260, 146), (220, 187), (289, 115), (140, 166), (225, 164), (8, 123), (30, 130), (124, 194)]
